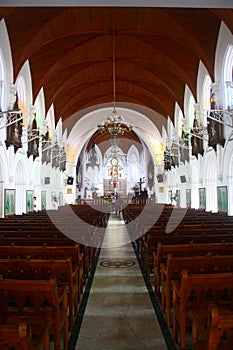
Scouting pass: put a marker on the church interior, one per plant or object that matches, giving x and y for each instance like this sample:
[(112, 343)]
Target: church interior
[(116, 176)]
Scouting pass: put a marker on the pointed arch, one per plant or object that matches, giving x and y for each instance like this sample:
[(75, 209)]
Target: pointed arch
[(40, 110), (228, 77), (5, 51), (210, 180), (178, 118), (20, 186), (133, 161)]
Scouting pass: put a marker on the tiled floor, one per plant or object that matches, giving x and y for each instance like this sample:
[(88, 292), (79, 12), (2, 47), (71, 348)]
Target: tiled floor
[(119, 314)]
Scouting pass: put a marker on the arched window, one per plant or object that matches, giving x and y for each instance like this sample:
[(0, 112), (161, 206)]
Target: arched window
[(178, 120), (206, 100), (228, 78), (134, 165), (190, 116), (206, 89), (180, 117), (21, 90), (133, 160), (39, 114)]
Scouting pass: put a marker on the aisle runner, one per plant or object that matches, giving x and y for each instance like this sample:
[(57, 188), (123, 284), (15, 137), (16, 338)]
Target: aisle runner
[(119, 314)]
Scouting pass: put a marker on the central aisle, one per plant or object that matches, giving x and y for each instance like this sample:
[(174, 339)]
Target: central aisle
[(119, 314)]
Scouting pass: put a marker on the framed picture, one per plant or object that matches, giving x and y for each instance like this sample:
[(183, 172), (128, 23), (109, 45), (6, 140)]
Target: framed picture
[(9, 202), (161, 189), (202, 198), (170, 196), (222, 198), (43, 200), (177, 197), (29, 201), (188, 198), (54, 197), (60, 199)]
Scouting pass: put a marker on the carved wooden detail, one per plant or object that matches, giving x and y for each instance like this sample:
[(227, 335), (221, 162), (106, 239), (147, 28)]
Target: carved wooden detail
[(33, 141)]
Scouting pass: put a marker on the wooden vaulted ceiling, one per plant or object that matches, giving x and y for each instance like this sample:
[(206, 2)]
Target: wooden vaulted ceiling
[(70, 52)]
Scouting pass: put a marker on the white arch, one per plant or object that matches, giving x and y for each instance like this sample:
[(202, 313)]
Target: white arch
[(223, 72), (20, 172), (133, 161), (210, 179), (201, 78), (24, 88), (50, 118), (37, 185), (4, 176), (40, 110), (225, 40), (79, 134), (178, 118), (187, 94), (227, 178), (189, 102), (195, 183), (227, 77), (7, 61)]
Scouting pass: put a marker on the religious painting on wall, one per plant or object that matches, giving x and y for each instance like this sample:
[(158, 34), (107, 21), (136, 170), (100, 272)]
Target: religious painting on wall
[(33, 141), (79, 173), (188, 198), (161, 189), (43, 200), (55, 156), (14, 127), (222, 198), (29, 201), (46, 152), (92, 160), (202, 198), (62, 159), (9, 202), (60, 199), (170, 195), (177, 197), (196, 139), (150, 173), (214, 125), (14, 131), (184, 146)]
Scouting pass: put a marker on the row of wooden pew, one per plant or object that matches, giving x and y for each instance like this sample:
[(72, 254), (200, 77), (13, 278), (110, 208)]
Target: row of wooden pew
[(43, 273), (196, 226), (192, 273)]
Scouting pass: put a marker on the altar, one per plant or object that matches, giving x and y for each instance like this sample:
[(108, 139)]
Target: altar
[(121, 187)]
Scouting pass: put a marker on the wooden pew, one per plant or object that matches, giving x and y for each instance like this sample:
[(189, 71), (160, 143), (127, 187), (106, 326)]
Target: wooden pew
[(197, 292), (37, 300), (214, 330), (191, 249), (38, 269), (171, 270), (22, 336), (153, 240), (52, 253)]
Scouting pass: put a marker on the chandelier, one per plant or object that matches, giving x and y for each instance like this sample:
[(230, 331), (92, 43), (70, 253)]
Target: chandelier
[(114, 124)]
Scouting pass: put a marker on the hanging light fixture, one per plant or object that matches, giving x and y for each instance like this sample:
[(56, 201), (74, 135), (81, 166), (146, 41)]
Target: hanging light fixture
[(114, 124)]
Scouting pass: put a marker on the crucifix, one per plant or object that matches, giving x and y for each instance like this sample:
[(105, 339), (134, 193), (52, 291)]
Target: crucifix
[(140, 184)]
